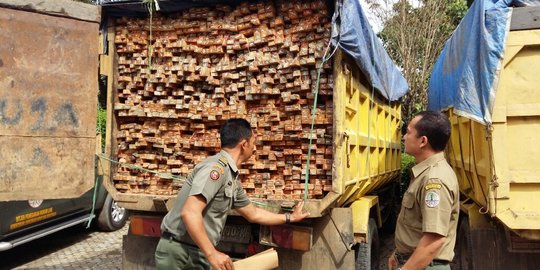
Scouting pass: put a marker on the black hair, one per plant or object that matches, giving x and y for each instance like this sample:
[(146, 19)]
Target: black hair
[(436, 127), (234, 131)]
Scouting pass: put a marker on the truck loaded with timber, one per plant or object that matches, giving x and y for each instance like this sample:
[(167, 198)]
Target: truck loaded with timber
[(320, 91), (486, 80)]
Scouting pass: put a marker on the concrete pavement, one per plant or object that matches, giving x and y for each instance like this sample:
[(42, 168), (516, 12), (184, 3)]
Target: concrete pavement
[(73, 248)]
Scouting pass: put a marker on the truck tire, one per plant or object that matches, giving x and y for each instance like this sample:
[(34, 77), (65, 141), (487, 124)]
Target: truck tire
[(367, 254), (390, 221), (389, 218), (389, 225), (464, 245), (111, 217)]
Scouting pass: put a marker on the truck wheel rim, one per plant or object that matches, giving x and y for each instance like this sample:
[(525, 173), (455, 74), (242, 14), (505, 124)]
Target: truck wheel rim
[(117, 212)]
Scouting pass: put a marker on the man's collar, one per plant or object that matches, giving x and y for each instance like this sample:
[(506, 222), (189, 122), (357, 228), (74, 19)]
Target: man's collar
[(230, 161), (422, 166)]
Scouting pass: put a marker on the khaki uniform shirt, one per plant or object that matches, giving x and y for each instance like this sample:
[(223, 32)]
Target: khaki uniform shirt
[(430, 205), (216, 179)]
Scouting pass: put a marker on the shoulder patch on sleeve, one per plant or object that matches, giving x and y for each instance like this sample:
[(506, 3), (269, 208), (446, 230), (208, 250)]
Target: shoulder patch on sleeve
[(215, 175), (432, 186), (432, 199)]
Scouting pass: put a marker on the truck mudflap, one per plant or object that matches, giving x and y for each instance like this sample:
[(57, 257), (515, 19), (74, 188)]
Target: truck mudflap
[(139, 245), (138, 252)]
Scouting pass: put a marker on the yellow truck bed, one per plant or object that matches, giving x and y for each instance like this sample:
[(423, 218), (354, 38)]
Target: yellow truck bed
[(498, 166)]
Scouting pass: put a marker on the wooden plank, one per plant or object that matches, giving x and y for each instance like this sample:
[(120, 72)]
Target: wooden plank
[(63, 8), (108, 63), (524, 18)]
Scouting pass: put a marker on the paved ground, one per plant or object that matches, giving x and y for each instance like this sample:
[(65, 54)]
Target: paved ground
[(74, 248), (79, 248), (386, 248)]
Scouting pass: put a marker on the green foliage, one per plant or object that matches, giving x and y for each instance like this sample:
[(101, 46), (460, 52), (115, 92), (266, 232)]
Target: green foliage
[(456, 11), (101, 125), (407, 162), (414, 37)]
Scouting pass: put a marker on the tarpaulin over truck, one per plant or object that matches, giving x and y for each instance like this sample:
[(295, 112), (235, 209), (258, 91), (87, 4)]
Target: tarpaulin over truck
[(354, 35), (466, 73), (350, 31)]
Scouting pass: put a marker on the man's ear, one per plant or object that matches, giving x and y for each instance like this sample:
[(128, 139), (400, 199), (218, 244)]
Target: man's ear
[(243, 143), (424, 141)]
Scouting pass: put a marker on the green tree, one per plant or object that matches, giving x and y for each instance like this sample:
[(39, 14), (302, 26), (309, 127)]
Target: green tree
[(414, 37)]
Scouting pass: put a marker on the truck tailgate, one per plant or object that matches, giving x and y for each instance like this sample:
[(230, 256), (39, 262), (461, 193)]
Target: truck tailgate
[(48, 104)]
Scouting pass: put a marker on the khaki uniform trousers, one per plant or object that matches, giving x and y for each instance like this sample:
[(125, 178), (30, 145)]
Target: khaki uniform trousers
[(171, 254)]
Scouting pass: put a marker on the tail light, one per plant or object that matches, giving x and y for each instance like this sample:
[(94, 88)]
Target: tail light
[(145, 225)]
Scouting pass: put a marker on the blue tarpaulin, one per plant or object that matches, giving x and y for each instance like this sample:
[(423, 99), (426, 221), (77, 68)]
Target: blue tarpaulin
[(466, 73), (354, 35)]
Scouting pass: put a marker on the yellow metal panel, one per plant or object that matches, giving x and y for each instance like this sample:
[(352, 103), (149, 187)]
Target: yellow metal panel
[(521, 38), (515, 145), (499, 167), (468, 153), (360, 214), (367, 138)]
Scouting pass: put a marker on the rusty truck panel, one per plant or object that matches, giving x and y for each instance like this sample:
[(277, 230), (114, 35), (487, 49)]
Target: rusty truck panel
[(48, 105)]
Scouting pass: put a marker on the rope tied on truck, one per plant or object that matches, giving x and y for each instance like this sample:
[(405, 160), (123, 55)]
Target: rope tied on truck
[(324, 59), (152, 6), (97, 185), (160, 174), (494, 179), (131, 166)]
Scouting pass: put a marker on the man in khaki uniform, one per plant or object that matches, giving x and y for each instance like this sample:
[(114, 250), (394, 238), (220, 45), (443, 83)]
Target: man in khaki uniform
[(426, 227), (192, 229)]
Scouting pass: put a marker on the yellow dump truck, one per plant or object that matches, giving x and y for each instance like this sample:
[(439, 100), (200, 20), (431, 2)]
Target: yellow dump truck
[(265, 62), (493, 146)]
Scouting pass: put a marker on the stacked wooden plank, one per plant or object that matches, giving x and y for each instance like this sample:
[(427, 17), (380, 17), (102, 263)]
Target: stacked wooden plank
[(256, 61)]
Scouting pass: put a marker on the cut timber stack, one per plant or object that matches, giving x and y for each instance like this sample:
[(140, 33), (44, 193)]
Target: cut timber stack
[(256, 61)]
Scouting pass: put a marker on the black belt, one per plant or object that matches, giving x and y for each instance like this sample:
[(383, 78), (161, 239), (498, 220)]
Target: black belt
[(402, 259), (438, 262), (170, 236)]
